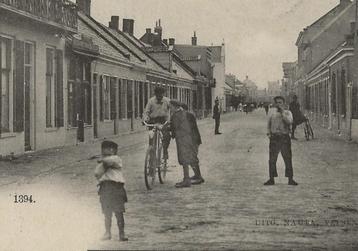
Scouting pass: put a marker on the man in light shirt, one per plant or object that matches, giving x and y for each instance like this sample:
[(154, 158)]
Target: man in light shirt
[(278, 130), (157, 111)]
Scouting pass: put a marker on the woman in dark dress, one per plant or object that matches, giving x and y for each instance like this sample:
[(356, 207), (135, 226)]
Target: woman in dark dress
[(187, 137)]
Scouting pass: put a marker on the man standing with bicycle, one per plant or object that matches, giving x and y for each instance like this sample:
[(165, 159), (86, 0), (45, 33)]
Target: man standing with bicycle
[(157, 111), (278, 130), (297, 115)]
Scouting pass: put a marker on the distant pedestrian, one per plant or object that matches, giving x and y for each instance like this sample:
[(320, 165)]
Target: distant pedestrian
[(266, 106), (278, 130), (297, 115), (197, 178), (246, 108), (216, 116), (187, 139), (111, 188), (252, 107)]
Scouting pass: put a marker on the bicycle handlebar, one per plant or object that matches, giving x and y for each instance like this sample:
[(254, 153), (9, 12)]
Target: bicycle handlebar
[(154, 125)]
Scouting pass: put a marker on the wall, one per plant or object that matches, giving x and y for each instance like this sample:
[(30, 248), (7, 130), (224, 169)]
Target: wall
[(331, 37), (42, 137), (107, 128)]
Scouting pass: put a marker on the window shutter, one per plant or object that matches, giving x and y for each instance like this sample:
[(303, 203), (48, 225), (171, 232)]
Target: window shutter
[(120, 98), (19, 87), (101, 98), (59, 89), (113, 98), (124, 98)]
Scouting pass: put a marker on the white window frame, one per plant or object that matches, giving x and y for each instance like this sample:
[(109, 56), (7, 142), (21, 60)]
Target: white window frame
[(53, 87), (10, 88)]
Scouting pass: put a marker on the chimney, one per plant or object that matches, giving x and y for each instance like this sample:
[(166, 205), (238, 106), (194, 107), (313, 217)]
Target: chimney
[(165, 41), (148, 30), (128, 26), (194, 39), (114, 23), (171, 41), (84, 6), (158, 29)]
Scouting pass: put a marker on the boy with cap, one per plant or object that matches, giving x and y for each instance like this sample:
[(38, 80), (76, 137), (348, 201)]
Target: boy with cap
[(111, 188), (278, 131)]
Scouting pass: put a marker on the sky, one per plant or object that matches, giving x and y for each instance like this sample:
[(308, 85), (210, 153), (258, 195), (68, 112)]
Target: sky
[(259, 34)]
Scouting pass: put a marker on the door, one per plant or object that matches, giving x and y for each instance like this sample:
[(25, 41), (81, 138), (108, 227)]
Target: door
[(83, 96)]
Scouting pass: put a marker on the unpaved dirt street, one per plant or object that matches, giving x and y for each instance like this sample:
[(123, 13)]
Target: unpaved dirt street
[(231, 210)]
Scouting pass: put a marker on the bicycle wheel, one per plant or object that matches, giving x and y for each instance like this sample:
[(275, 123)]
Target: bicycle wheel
[(161, 174), (162, 168), (305, 128), (149, 169), (161, 171), (310, 130)]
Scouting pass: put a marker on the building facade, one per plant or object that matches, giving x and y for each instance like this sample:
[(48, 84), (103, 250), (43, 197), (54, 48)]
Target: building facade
[(326, 79), (66, 78), (208, 63), (218, 68), (251, 90), (33, 73), (273, 89), (288, 80)]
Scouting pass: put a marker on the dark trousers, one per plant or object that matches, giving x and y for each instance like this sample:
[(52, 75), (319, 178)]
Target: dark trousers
[(217, 124), (166, 141), (280, 143), (166, 134)]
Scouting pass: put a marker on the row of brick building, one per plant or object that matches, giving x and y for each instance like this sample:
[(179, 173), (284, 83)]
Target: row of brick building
[(66, 78), (325, 74)]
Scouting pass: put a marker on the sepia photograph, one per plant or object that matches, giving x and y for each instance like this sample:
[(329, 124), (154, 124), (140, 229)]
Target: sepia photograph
[(178, 125)]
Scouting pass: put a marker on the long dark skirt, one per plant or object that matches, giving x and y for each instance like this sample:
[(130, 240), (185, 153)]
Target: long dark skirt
[(112, 196), (187, 151)]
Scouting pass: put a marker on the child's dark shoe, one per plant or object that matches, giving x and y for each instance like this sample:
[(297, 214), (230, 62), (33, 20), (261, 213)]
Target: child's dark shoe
[(122, 236), (292, 182), (123, 239), (270, 182), (106, 236)]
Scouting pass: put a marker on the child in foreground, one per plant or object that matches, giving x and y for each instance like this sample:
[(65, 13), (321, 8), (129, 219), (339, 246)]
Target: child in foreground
[(112, 194)]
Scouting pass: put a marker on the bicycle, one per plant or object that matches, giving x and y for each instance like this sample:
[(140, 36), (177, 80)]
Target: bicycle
[(153, 157), (308, 129)]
